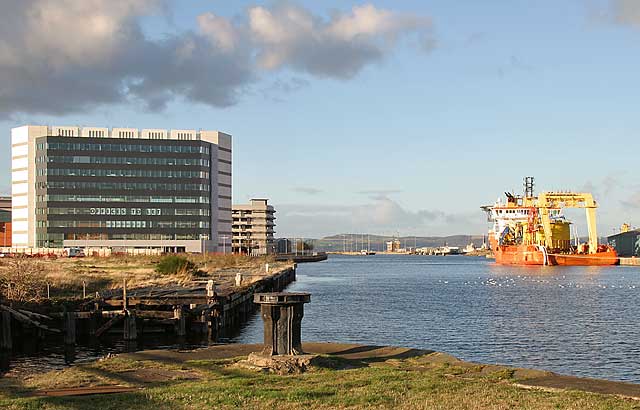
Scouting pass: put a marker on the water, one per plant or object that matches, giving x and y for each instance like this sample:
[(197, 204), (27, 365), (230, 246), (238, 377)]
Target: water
[(583, 321)]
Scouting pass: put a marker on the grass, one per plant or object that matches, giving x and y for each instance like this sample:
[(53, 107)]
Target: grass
[(414, 383), (66, 275)]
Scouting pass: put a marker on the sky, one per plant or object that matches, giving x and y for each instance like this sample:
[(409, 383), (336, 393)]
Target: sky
[(385, 117)]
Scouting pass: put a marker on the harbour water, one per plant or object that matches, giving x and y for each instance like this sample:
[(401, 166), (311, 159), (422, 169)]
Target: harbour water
[(581, 321)]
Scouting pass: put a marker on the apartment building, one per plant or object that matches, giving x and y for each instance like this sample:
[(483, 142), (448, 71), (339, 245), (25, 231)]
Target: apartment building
[(120, 188), (253, 228)]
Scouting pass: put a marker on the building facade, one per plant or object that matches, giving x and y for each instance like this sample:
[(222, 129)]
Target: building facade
[(253, 228), (5, 221), (627, 243), (120, 188)]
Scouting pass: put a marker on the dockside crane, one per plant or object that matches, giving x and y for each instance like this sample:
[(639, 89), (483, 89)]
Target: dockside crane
[(558, 200)]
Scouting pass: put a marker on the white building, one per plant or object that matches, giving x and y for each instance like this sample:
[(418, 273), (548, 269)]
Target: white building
[(120, 188)]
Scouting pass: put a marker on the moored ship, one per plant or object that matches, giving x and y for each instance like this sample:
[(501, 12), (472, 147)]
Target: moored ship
[(532, 230)]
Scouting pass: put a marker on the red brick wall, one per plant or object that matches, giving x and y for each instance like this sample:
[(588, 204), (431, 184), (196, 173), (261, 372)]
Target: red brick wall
[(5, 226)]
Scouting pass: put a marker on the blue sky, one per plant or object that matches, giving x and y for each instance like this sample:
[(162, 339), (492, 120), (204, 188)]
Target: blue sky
[(411, 141)]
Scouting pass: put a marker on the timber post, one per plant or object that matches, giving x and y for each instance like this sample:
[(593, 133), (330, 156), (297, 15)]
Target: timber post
[(179, 316), (6, 341), (69, 328), (130, 329)]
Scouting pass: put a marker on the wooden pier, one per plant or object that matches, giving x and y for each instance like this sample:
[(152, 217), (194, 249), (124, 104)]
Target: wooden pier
[(196, 309)]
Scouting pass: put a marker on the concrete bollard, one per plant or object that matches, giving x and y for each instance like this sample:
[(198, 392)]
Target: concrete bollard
[(266, 268), (238, 279), (282, 314)]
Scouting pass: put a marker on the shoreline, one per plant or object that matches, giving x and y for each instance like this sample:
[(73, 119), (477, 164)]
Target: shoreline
[(163, 374)]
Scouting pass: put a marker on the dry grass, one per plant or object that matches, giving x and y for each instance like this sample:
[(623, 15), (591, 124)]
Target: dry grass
[(26, 280), (412, 383)]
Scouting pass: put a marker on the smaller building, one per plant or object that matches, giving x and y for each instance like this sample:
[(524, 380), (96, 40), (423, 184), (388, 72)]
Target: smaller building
[(626, 243), (5, 221), (253, 228), (284, 245), (393, 245)]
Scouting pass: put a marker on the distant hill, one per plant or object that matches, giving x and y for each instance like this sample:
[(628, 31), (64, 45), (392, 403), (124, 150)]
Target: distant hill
[(351, 241)]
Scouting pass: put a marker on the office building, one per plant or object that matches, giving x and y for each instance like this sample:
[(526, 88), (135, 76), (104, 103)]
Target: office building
[(253, 228), (120, 188)]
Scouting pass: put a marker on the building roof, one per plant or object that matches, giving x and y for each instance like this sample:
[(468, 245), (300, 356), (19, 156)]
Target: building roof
[(629, 232)]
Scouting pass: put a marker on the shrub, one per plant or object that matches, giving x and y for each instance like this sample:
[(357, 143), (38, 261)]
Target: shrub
[(173, 264), (23, 281)]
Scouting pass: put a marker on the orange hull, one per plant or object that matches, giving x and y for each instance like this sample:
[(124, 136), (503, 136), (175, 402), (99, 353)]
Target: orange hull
[(595, 259), (531, 255), (518, 255)]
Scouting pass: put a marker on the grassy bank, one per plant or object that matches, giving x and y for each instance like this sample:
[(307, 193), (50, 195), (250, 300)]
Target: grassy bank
[(25, 279), (423, 381)]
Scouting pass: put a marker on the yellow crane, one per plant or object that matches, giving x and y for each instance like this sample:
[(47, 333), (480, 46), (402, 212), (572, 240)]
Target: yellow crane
[(559, 200)]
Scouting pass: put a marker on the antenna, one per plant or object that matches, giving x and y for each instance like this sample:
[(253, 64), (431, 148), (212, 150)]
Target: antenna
[(529, 184)]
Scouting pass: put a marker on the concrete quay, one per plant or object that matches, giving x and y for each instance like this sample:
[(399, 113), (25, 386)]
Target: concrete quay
[(630, 261)]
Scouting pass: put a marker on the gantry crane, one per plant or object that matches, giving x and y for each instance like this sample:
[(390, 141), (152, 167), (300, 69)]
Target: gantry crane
[(558, 200)]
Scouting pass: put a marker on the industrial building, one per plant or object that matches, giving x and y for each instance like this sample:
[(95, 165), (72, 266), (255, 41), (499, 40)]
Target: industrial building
[(5, 221), (253, 228), (120, 188), (627, 242)]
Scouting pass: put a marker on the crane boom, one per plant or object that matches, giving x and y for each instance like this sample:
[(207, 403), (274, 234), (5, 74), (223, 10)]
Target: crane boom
[(557, 200)]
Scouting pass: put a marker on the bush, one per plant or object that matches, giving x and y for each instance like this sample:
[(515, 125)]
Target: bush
[(173, 264), (23, 281)]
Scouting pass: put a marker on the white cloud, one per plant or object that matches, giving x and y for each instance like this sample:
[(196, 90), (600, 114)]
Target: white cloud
[(61, 56), (288, 35), (220, 31)]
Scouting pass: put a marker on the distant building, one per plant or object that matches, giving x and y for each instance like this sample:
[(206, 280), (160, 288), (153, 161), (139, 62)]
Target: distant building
[(626, 243), (253, 228), (120, 188), (284, 245), (5, 221), (393, 245)]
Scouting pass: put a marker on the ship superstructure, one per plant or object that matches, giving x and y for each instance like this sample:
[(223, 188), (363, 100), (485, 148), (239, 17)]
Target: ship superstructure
[(532, 230)]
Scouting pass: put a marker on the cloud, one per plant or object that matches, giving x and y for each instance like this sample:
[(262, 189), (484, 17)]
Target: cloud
[(603, 188), (380, 216), (379, 194), (288, 35), (307, 190), (633, 201), (625, 12), (63, 56)]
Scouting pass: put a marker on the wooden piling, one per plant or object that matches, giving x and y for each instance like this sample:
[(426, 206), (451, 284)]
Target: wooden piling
[(94, 321), (5, 340), (130, 329), (69, 328), (180, 325)]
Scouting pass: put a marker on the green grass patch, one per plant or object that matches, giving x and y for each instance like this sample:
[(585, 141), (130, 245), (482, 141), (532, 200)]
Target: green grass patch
[(399, 384)]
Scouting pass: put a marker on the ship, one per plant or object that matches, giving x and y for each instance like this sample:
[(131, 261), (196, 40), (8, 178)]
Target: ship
[(532, 229)]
